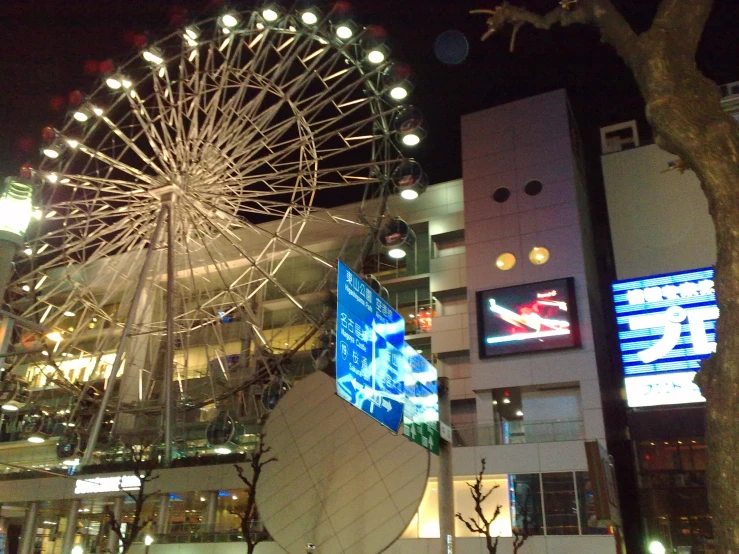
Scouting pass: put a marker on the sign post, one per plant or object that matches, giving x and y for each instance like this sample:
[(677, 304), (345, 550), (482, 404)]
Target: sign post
[(446, 474)]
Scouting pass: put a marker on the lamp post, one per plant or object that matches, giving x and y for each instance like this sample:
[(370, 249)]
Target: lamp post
[(16, 210), (148, 541)]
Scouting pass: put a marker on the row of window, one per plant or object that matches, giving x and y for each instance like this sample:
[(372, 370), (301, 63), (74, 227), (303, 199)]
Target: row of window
[(559, 503)]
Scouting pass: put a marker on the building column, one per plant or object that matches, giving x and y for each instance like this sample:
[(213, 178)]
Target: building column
[(486, 424), (163, 517), (28, 535), (211, 512), (71, 530), (113, 539)]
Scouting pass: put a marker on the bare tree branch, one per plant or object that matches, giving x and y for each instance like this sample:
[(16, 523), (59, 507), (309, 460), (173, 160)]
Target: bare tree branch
[(250, 513), (480, 524), (144, 472), (614, 29)]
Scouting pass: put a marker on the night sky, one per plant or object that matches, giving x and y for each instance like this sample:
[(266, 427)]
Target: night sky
[(50, 47)]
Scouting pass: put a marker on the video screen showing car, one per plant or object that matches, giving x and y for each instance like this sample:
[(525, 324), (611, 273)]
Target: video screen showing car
[(527, 318)]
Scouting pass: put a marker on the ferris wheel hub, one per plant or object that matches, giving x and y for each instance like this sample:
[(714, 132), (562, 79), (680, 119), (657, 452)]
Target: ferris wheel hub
[(167, 192)]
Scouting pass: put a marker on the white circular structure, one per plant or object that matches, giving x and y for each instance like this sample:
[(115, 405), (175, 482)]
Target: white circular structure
[(341, 481), (189, 192)]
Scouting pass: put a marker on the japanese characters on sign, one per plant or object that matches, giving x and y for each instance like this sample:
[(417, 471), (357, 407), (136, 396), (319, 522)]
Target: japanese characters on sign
[(666, 326), (369, 366)]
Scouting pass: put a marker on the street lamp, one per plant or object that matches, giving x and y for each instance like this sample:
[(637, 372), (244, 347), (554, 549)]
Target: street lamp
[(16, 211), (148, 541)]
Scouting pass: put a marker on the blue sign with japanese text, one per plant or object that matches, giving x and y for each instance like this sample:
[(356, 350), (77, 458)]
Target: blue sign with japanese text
[(666, 326), (369, 365)]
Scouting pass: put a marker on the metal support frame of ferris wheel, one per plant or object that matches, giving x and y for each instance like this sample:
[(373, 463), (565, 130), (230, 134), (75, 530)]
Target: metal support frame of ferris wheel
[(168, 208)]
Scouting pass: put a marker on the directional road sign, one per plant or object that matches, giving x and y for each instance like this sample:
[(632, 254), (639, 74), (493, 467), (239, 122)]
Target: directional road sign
[(369, 364)]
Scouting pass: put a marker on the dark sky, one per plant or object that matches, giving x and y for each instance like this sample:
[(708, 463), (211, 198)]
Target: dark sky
[(46, 44)]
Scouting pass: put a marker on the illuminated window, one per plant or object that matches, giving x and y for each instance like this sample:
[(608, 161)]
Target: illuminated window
[(505, 261), (425, 524), (539, 255), (501, 195)]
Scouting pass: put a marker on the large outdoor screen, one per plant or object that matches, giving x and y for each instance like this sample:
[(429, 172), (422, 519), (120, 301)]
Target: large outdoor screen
[(527, 318)]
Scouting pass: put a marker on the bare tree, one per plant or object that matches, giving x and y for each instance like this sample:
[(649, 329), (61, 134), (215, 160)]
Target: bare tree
[(143, 470), (481, 524), (250, 515), (684, 110)]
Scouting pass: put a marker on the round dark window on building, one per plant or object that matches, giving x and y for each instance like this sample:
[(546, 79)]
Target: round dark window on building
[(533, 187), (501, 195)]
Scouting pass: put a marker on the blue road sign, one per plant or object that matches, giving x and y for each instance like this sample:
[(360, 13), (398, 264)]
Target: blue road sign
[(369, 366), (357, 297)]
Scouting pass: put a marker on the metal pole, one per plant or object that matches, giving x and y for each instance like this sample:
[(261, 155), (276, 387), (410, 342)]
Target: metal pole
[(71, 530), (8, 250), (113, 539), (29, 529), (168, 369), (446, 474), (98, 424)]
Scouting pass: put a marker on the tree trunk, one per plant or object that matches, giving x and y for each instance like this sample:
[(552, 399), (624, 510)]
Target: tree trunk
[(683, 106)]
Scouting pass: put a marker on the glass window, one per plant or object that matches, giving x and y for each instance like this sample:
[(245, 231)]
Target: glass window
[(560, 508), (586, 503), (425, 523), (525, 495)]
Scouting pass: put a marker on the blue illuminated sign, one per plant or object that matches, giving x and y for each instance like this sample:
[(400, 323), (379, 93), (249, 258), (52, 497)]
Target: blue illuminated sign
[(666, 326), (421, 412), (369, 364)]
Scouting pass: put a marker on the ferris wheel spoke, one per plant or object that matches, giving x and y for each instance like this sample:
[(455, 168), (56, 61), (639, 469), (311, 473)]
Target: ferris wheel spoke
[(282, 151), (104, 184), (116, 164), (78, 243), (132, 145), (211, 108), (253, 320), (267, 275), (149, 128), (167, 124)]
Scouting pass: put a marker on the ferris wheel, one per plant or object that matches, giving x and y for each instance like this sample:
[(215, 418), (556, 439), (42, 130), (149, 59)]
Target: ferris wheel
[(192, 209)]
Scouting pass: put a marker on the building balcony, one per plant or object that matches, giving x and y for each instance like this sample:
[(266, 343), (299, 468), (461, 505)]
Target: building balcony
[(518, 432)]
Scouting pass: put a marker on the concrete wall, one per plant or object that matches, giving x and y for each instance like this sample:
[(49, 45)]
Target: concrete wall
[(508, 146), (659, 221)]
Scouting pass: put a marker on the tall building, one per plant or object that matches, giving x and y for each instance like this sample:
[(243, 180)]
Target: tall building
[(499, 290)]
